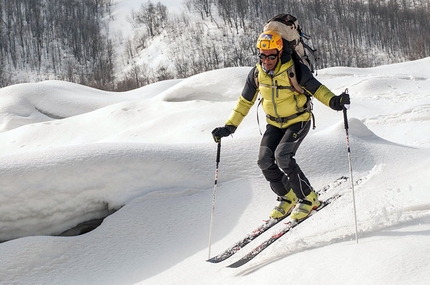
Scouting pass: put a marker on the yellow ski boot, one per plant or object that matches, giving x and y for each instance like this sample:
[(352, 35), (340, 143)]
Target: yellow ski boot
[(304, 207), (286, 205)]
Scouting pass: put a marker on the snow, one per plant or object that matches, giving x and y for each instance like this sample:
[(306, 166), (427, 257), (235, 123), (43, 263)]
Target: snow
[(71, 153)]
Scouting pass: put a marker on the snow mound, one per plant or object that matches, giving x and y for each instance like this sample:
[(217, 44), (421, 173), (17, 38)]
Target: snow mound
[(150, 155), (216, 85)]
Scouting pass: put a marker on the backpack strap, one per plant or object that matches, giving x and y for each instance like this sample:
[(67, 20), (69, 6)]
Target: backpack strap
[(292, 76), (306, 109), (260, 99), (256, 77)]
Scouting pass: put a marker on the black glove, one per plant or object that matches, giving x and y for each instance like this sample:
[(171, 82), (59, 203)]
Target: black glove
[(338, 102), (220, 132)]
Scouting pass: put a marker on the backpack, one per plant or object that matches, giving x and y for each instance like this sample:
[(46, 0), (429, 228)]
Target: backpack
[(288, 27)]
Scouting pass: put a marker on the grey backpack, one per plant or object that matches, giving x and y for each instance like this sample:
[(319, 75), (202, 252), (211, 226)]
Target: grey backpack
[(288, 27)]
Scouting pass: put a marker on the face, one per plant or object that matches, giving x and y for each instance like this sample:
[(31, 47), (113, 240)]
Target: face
[(269, 58)]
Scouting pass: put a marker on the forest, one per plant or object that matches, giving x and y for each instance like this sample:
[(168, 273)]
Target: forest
[(70, 39), (63, 38)]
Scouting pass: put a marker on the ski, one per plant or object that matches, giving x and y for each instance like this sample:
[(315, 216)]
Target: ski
[(243, 242), (289, 226), (267, 224)]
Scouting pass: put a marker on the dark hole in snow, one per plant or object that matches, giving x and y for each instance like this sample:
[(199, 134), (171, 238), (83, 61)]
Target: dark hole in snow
[(83, 228), (86, 226)]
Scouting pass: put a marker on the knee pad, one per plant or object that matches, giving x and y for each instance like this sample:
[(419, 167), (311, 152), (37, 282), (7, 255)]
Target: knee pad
[(284, 156), (265, 158)]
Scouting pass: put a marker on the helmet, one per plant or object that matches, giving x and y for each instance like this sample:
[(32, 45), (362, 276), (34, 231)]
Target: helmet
[(269, 40)]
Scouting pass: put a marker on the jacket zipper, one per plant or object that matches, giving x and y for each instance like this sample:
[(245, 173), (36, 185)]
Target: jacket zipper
[(275, 94)]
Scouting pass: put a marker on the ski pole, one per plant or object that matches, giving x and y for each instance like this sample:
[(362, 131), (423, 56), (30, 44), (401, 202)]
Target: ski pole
[(345, 119), (218, 154)]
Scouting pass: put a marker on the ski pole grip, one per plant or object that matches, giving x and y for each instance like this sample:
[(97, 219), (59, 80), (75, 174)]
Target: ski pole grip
[(218, 153), (345, 118), (345, 115)]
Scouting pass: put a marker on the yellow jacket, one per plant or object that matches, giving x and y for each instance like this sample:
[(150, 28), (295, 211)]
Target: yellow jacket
[(281, 101)]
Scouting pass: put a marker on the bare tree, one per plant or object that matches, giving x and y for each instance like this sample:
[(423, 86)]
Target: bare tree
[(203, 7), (153, 17)]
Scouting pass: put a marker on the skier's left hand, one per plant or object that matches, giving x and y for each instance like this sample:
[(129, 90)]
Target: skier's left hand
[(338, 102)]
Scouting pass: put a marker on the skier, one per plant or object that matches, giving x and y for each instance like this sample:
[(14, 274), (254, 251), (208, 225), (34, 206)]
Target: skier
[(285, 86)]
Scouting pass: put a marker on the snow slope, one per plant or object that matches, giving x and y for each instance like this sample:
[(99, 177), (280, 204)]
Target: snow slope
[(72, 153)]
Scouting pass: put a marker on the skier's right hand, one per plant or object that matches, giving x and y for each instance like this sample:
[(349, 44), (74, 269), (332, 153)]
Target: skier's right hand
[(220, 132)]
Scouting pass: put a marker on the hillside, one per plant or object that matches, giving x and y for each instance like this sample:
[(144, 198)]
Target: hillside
[(149, 156), (121, 45)]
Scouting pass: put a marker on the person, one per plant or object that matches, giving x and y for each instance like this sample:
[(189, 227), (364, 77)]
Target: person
[(285, 86)]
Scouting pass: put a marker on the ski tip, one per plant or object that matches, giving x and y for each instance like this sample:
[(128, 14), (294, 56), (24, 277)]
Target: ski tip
[(238, 263), (215, 259)]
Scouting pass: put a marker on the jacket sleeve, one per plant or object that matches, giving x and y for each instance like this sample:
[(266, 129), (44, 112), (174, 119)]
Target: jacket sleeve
[(245, 101), (312, 85)]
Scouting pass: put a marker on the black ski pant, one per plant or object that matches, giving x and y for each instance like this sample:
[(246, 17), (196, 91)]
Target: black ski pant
[(276, 159)]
